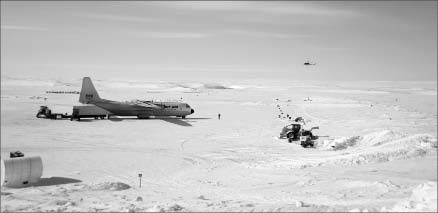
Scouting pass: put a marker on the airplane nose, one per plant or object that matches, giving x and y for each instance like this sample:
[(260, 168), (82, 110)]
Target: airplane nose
[(192, 111)]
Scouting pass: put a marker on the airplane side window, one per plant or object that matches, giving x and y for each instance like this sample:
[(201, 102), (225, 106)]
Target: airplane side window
[(174, 106)]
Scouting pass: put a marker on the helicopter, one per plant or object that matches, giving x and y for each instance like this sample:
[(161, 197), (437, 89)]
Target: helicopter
[(307, 63)]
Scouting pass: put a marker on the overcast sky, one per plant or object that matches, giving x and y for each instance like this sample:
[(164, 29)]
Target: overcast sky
[(390, 40)]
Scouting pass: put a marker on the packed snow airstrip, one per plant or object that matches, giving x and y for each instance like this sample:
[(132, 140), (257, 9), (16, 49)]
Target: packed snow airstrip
[(380, 153)]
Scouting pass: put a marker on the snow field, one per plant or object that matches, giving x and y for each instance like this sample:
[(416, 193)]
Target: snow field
[(367, 162)]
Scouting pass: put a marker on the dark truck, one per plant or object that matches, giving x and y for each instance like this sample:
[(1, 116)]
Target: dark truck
[(46, 112)]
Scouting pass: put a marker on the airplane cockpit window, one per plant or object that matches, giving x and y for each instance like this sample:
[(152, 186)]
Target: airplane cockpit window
[(187, 106)]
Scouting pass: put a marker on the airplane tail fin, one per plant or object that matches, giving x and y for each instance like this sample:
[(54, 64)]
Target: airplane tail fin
[(88, 92)]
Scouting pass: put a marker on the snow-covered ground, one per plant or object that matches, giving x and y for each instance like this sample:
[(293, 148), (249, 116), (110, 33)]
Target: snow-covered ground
[(380, 153)]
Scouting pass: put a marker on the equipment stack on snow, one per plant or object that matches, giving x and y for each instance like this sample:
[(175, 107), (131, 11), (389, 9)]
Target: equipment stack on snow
[(21, 171)]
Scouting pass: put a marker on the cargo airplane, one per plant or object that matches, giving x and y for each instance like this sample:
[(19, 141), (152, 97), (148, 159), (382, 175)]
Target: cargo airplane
[(141, 109)]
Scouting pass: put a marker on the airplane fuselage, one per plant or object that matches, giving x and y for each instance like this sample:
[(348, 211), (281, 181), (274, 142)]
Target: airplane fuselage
[(133, 109)]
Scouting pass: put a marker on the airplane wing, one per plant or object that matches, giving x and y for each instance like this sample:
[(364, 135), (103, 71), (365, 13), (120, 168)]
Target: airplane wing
[(146, 104)]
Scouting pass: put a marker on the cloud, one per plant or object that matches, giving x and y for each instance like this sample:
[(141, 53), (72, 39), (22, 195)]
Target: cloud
[(170, 35), (200, 5), (261, 34), (273, 8), (333, 48), (220, 33), (210, 68), (157, 67), (16, 27), (111, 17)]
